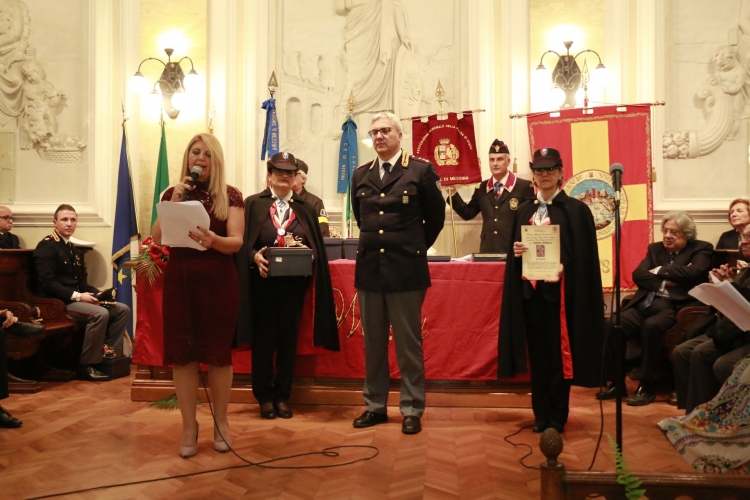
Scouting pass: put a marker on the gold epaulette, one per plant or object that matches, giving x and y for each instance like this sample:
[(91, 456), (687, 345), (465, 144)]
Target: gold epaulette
[(53, 236), (423, 160), (370, 163)]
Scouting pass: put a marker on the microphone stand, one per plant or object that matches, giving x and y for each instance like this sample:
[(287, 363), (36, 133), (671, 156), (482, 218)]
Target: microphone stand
[(617, 335)]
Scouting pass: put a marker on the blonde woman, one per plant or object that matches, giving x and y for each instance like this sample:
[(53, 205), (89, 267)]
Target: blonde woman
[(201, 300)]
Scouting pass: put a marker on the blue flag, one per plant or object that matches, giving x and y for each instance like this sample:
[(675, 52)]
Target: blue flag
[(270, 144), (348, 154), (126, 227)]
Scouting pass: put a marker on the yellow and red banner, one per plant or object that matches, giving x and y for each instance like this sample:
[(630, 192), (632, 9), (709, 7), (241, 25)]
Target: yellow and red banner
[(450, 145), (589, 144)]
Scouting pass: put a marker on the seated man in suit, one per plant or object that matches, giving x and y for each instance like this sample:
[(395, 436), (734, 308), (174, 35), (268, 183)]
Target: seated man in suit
[(670, 269), (705, 361), (8, 240), (59, 273), (10, 326), (497, 198)]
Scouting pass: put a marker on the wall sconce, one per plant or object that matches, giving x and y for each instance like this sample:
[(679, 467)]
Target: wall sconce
[(173, 84), (568, 77)]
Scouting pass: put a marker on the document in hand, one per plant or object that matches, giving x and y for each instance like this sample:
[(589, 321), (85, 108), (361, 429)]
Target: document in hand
[(727, 300), (177, 219)]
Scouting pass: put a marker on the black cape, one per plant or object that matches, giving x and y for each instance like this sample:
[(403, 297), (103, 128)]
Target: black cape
[(584, 302), (257, 206)]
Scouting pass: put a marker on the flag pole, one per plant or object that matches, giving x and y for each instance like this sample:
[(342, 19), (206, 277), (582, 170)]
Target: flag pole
[(453, 219)]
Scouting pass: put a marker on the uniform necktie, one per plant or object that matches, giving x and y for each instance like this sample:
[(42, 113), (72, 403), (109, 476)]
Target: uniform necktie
[(652, 295), (282, 210), (386, 170), (498, 190), (542, 211)]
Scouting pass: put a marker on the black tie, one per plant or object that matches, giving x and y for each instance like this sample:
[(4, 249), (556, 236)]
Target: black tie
[(386, 170)]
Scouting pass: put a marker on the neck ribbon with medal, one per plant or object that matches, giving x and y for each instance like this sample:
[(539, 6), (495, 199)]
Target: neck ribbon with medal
[(281, 228)]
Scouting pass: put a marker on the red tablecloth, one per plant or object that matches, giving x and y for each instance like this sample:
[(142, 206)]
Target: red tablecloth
[(460, 318)]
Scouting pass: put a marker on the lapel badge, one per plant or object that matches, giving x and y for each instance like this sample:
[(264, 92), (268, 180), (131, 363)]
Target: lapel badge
[(405, 200), (513, 203)]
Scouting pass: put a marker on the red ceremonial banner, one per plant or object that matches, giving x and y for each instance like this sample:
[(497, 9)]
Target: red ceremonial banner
[(588, 144), (450, 145)]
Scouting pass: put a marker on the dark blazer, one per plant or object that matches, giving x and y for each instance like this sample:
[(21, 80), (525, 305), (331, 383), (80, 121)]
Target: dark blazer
[(319, 209), (690, 268), (730, 240), (398, 221), (497, 217), (257, 206), (58, 272), (9, 241)]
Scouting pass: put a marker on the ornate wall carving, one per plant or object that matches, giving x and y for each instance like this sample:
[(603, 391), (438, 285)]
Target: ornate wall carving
[(388, 54)]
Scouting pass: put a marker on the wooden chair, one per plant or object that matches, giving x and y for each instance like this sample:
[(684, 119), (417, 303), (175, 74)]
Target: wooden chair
[(16, 268)]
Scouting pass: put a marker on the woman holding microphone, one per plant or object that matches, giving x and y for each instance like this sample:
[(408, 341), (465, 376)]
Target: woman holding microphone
[(201, 298)]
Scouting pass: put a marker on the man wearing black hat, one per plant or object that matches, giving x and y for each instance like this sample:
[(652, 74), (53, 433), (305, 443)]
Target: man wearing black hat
[(561, 321), (317, 204), (497, 198), (8, 240), (400, 212)]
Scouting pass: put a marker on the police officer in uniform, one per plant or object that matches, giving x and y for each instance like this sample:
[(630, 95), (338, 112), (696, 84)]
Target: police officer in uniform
[(497, 198), (400, 212), (59, 273), (317, 204)]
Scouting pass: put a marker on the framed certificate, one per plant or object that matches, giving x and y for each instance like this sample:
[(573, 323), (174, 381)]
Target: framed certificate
[(542, 260)]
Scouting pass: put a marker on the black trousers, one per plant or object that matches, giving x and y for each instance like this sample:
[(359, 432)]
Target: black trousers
[(549, 389), (277, 309), (649, 324)]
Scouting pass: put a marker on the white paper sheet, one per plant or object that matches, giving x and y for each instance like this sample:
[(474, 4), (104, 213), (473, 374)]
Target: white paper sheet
[(724, 297), (177, 219)]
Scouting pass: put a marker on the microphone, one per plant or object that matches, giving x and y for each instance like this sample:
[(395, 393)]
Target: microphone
[(616, 171), (195, 172)]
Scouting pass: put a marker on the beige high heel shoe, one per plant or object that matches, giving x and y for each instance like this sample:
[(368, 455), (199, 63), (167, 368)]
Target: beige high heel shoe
[(221, 445), (187, 451)]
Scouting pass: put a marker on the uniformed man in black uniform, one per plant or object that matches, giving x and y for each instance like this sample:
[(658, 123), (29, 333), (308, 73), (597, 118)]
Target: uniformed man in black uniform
[(497, 198), (59, 273), (400, 212), (8, 240), (317, 204)]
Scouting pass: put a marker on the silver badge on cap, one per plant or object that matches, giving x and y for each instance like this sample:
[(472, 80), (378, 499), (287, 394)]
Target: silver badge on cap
[(285, 155), (544, 152)]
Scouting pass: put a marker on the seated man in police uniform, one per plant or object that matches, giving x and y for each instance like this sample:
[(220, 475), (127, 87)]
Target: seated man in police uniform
[(299, 187), (59, 273), (497, 198), (8, 240)]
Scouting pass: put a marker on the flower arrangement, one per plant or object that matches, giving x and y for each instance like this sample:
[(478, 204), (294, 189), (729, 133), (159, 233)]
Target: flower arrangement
[(151, 259)]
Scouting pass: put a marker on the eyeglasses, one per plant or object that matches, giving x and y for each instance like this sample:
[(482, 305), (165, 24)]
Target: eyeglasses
[(286, 173), (672, 232), (745, 237), (382, 131), (8, 218), (544, 170)]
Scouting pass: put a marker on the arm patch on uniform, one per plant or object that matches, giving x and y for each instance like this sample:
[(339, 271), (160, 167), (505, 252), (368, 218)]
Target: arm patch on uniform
[(323, 217)]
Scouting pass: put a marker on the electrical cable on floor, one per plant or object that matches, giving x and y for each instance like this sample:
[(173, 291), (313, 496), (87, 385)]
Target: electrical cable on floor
[(326, 452), (517, 445)]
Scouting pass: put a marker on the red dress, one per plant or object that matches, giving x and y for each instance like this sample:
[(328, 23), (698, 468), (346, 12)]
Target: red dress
[(201, 297)]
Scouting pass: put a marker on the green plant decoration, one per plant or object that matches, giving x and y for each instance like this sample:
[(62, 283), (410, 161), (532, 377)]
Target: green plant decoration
[(168, 403), (629, 481)]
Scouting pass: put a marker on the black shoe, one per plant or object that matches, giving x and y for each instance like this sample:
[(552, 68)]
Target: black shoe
[(370, 418), (267, 410), (672, 398), (538, 427), (88, 372), (609, 393), (8, 422), (411, 425), (283, 410), (560, 428), (642, 397), (22, 330)]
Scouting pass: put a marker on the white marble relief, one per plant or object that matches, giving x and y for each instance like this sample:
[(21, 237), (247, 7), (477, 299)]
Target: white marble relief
[(28, 101)]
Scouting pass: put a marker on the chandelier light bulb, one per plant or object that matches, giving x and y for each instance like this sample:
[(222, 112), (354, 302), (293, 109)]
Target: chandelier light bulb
[(138, 83)]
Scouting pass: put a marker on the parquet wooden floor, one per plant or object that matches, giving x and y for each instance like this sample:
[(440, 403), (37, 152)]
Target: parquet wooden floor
[(82, 435)]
